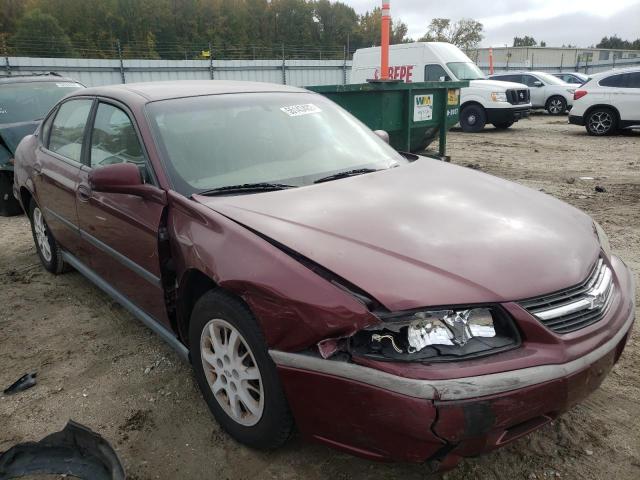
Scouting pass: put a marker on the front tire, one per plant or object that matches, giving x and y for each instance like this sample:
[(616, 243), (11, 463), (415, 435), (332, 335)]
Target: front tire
[(556, 105), (235, 373), (601, 122), (9, 206), (473, 118), (46, 246)]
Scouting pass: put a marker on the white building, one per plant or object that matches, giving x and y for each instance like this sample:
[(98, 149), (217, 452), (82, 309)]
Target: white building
[(588, 60)]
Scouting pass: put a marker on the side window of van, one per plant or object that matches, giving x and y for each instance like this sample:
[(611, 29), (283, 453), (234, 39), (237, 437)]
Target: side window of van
[(435, 73)]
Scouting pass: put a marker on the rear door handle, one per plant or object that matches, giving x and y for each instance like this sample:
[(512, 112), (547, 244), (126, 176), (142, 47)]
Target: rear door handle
[(84, 193), (37, 168)]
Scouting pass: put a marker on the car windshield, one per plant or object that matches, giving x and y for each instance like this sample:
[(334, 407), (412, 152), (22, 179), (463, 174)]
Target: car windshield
[(466, 71), (29, 101), (549, 79), (285, 138)]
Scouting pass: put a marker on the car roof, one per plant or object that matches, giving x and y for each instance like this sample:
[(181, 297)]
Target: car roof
[(155, 91), (520, 72), (616, 71), (48, 77)]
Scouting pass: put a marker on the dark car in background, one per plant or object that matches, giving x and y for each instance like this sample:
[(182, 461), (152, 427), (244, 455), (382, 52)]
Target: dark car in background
[(24, 101), (393, 306)]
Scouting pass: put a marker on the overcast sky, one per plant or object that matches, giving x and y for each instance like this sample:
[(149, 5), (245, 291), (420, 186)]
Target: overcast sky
[(575, 22)]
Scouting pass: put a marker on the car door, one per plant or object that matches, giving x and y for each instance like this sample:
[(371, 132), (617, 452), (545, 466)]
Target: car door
[(57, 168), (538, 93), (626, 98), (120, 231)]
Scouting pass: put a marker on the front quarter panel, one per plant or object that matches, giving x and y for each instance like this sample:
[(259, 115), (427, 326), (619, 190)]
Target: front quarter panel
[(295, 307)]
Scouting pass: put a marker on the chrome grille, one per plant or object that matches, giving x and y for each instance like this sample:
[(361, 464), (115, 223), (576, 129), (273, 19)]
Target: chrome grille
[(576, 307)]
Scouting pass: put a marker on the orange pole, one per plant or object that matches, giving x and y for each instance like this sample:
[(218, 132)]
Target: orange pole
[(490, 61), (384, 44)]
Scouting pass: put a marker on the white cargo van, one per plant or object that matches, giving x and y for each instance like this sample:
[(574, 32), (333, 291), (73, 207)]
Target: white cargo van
[(484, 101)]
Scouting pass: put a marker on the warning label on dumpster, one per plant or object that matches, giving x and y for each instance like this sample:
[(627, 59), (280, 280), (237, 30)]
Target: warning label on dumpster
[(422, 108)]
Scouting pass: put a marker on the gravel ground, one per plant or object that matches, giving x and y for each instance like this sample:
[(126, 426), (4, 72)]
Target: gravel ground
[(99, 366)]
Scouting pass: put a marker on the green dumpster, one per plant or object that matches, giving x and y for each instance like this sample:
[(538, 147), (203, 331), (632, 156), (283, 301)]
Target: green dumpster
[(413, 114)]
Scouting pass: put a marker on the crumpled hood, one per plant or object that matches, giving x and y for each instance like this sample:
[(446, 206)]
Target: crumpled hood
[(426, 234), (12, 133)]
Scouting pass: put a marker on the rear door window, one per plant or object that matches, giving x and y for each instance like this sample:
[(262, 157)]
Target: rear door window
[(67, 130), (633, 80), (613, 81)]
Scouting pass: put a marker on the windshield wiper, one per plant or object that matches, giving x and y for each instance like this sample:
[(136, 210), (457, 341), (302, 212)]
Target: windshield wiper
[(348, 173), (246, 188)]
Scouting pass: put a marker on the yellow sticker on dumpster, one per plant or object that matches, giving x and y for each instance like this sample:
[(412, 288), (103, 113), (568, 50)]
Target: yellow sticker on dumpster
[(422, 108), (453, 97)]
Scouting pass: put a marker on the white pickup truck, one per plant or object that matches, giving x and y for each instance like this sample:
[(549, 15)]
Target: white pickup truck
[(484, 101)]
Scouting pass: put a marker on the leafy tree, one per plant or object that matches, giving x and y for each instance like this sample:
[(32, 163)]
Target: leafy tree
[(615, 42), (370, 26), (46, 26), (465, 34), (525, 41)]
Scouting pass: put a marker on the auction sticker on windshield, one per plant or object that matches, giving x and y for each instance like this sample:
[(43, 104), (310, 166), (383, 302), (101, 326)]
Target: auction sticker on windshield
[(299, 110), (422, 108)]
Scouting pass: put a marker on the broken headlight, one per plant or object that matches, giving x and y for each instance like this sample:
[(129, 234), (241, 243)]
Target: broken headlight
[(438, 335)]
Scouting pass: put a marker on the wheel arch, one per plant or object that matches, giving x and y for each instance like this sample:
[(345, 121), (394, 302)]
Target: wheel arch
[(25, 198), (192, 286), (601, 105), (470, 103)]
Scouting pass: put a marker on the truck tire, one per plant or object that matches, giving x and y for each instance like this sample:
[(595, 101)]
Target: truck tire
[(556, 105), (237, 377), (473, 118), (601, 121), (9, 206), (503, 125)]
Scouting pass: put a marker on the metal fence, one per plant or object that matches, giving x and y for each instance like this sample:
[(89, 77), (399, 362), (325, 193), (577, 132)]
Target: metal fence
[(95, 72)]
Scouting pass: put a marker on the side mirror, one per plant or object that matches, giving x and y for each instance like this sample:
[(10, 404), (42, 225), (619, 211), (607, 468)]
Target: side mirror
[(538, 83), (382, 134), (124, 178)]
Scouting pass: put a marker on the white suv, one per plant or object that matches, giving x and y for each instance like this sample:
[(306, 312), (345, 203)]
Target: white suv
[(547, 91), (608, 102)]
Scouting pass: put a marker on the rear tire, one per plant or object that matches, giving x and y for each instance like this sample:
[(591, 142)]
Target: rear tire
[(503, 125), (46, 246), (9, 206), (556, 105), (601, 121), (235, 373), (473, 118)]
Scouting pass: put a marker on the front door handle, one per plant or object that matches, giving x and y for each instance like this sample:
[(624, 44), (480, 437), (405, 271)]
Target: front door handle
[(84, 193), (37, 168)]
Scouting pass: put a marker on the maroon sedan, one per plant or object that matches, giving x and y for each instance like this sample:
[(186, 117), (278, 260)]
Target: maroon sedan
[(393, 306)]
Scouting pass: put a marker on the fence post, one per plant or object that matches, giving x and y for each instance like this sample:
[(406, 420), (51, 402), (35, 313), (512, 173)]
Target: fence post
[(344, 65), (5, 52), (122, 77), (284, 67), (614, 60), (210, 62), (561, 61)]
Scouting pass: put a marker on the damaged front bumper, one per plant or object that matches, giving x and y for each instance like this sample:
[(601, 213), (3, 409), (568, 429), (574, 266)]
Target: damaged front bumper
[(385, 416)]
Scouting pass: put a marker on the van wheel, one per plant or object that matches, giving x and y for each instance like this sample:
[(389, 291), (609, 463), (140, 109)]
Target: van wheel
[(600, 122), (556, 105), (472, 118), (9, 206), (235, 373), (503, 125)]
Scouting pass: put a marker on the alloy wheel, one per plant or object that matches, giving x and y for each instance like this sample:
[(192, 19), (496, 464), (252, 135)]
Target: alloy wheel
[(42, 237), (600, 122), (555, 106), (232, 372)]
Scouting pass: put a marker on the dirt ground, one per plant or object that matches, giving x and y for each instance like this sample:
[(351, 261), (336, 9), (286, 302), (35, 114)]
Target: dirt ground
[(99, 366)]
